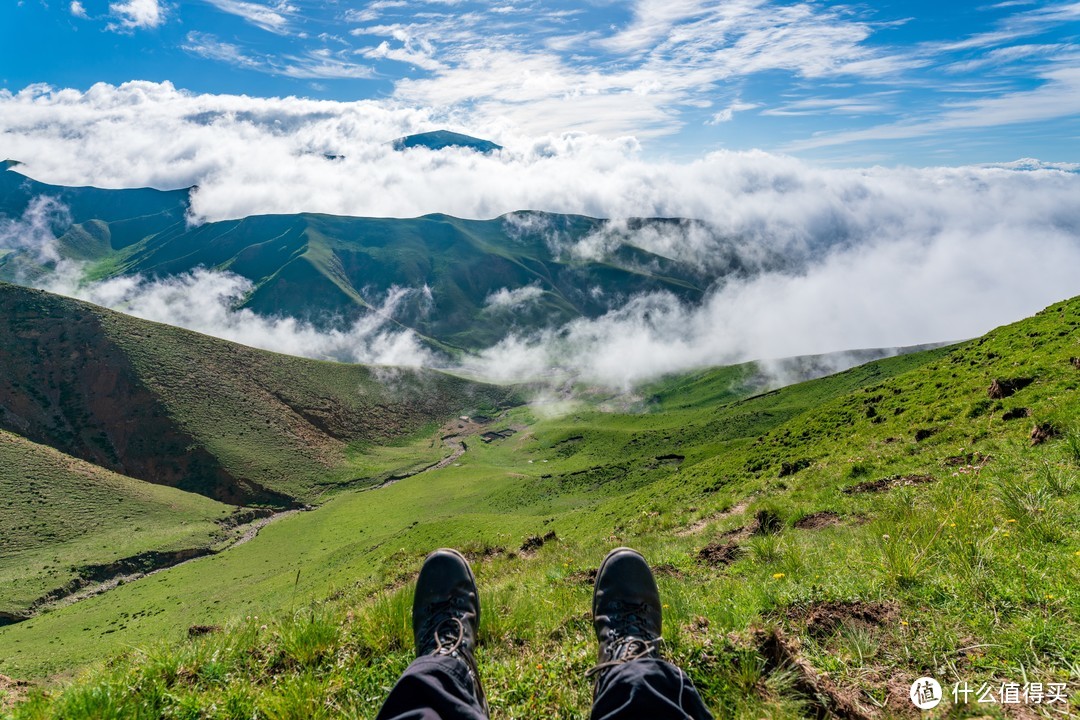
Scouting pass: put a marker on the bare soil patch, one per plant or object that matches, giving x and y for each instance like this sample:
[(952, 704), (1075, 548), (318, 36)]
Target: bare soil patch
[(1016, 413), (818, 520), (824, 619), (1042, 432), (1004, 387), (719, 554), (887, 483), (824, 698), (12, 691), (535, 542)]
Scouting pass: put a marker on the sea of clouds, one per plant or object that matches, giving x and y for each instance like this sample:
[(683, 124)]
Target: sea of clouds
[(877, 257)]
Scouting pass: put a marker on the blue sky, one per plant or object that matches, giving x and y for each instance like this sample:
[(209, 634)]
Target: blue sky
[(919, 83)]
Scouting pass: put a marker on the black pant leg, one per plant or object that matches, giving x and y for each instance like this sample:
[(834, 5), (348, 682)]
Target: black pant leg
[(433, 687), (649, 689)]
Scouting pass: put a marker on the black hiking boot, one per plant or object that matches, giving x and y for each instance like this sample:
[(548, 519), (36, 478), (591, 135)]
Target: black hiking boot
[(446, 611), (626, 611)]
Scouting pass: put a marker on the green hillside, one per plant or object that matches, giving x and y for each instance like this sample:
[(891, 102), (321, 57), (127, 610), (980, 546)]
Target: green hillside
[(441, 139), (817, 547), (332, 270), (61, 517), (102, 220), (182, 409)]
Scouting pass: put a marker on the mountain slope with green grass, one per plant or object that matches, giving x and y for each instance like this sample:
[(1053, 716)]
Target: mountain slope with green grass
[(460, 284), (182, 409), (61, 517), (817, 547)]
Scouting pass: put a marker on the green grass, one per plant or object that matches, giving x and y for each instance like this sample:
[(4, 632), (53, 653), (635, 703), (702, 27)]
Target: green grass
[(346, 264), (291, 423), (970, 575), (225, 420), (59, 514)]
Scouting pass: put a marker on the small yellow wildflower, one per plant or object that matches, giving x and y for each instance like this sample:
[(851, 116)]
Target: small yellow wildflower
[(1006, 533), (777, 576), (1010, 520), (1049, 596), (952, 524), (666, 605), (904, 623)]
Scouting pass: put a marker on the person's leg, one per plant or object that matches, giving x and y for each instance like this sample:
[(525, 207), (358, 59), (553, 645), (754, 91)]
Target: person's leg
[(442, 683), (631, 679), (647, 688)]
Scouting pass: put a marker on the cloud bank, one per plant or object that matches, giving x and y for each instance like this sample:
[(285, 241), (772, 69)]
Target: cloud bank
[(207, 302), (830, 259)]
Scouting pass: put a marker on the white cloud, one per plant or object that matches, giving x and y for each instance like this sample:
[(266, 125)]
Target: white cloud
[(77, 10), (315, 65), (372, 11), (323, 64), (419, 54), (827, 259), (1006, 55), (868, 103), (273, 18), (204, 301), (35, 230), (728, 113), (133, 15), (638, 79), (886, 293), (1057, 97), (511, 298), (208, 46)]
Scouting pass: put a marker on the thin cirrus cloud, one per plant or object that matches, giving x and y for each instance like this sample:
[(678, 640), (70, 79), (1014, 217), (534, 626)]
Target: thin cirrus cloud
[(314, 65), (1058, 97), (273, 18)]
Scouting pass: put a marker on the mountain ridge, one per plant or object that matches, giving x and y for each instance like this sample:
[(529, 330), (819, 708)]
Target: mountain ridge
[(447, 274)]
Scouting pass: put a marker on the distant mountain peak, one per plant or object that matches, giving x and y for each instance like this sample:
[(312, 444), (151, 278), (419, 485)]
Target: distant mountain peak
[(8, 164), (439, 139)]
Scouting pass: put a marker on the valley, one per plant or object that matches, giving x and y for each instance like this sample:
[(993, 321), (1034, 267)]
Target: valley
[(854, 525)]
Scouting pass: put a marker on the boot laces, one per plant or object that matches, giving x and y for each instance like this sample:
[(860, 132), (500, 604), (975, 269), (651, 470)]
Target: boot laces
[(449, 633), (446, 627), (626, 649), (628, 618)]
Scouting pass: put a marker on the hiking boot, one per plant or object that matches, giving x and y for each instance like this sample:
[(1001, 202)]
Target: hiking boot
[(446, 611), (626, 611)]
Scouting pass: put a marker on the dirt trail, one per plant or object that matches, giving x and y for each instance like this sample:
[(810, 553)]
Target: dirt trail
[(453, 436), (52, 600), (699, 525), (255, 527)]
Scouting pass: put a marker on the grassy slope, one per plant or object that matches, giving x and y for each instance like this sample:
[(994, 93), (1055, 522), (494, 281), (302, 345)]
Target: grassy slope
[(176, 407), (298, 425), (59, 514), (935, 563), (342, 263), (329, 268)]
